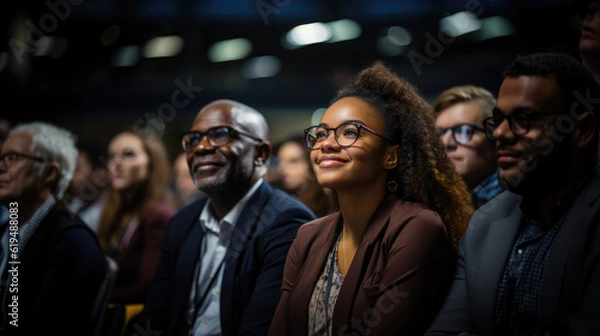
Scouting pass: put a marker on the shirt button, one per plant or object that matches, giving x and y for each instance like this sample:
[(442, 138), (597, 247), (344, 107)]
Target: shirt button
[(520, 251), (205, 322), (217, 292)]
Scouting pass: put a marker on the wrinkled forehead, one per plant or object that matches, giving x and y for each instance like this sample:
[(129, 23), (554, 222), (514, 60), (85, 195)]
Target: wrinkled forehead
[(18, 142)]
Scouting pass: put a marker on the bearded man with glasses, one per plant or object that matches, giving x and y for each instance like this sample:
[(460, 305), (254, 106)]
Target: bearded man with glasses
[(529, 263), (460, 112), (221, 266)]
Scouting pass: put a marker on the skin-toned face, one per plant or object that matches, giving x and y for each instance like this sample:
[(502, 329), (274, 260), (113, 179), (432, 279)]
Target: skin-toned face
[(230, 167), (590, 32), (476, 160), (528, 162), (359, 166), (20, 182), (83, 172), (293, 165), (128, 163)]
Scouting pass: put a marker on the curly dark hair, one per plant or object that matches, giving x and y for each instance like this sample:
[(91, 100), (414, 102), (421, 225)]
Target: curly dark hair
[(424, 174)]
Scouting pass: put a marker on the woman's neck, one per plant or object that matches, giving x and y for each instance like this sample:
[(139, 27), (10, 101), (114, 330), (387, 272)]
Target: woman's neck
[(357, 208)]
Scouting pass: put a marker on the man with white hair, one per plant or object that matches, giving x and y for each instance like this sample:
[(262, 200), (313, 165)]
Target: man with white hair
[(50, 262)]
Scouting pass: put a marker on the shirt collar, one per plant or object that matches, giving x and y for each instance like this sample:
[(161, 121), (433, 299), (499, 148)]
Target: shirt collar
[(490, 182), (224, 227)]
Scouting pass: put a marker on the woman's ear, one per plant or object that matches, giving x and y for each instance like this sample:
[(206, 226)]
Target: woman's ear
[(391, 157)]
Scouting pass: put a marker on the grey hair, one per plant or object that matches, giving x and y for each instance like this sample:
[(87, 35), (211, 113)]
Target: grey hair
[(54, 144)]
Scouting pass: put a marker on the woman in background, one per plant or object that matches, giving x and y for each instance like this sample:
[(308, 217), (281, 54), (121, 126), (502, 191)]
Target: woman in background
[(298, 177), (382, 264), (136, 212)]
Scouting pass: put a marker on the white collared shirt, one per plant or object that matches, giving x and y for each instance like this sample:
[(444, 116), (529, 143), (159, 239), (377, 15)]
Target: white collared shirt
[(206, 321)]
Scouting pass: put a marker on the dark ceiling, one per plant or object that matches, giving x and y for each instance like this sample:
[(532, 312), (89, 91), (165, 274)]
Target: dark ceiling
[(80, 87)]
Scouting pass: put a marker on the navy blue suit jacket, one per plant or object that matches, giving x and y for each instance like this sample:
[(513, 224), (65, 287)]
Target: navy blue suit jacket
[(253, 272)]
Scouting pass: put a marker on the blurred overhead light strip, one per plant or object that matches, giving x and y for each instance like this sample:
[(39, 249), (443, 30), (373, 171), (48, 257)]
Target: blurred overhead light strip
[(163, 46), (309, 33), (126, 56), (399, 36), (494, 26), (344, 30), (460, 23), (230, 50), (261, 67)]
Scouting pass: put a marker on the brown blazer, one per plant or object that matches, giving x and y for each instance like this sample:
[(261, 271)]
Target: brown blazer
[(395, 283)]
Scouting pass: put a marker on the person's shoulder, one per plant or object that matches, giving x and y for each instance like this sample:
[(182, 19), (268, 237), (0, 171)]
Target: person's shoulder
[(319, 225), (79, 240), (191, 210), (283, 200), (403, 212), (499, 207), (283, 204)]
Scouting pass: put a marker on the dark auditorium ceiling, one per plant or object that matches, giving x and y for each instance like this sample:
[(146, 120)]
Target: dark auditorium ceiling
[(91, 62)]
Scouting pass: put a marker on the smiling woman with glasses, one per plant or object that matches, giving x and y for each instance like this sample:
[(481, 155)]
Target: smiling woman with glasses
[(402, 207), (346, 134)]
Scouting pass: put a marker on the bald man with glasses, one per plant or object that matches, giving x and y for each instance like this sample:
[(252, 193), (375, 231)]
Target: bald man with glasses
[(460, 112), (221, 266)]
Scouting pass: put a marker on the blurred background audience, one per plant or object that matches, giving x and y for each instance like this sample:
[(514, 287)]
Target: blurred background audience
[(182, 185), (136, 212), (85, 195), (297, 176)]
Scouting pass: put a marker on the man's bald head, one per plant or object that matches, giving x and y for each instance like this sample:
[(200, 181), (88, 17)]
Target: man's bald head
[(245, 117)]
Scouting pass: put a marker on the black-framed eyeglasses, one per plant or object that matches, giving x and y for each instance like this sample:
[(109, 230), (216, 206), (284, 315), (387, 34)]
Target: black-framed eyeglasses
[(217, 136), (11, 158), (346, 134), (461, 133), (519, 121)]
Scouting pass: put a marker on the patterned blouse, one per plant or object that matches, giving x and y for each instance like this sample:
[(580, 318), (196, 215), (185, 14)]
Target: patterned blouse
[(322, 303)]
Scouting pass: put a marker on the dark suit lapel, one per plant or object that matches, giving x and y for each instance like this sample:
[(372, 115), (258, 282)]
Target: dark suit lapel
[(186, 264), (500, 238), (243, 232), (569, 244)]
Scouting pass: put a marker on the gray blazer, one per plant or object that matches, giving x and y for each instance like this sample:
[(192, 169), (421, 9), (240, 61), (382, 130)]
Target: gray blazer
[(571, 290)]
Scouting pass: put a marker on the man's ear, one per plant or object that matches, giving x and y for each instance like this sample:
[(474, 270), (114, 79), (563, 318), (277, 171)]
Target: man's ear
[(585, 129), (391, 157), (51, 174), (262, 153)]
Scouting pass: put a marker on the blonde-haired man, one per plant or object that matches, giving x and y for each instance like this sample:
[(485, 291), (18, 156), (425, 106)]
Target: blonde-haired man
[(460, 112)]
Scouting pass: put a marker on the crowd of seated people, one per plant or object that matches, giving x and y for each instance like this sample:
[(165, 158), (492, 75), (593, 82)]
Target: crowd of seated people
[(475, 214)]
